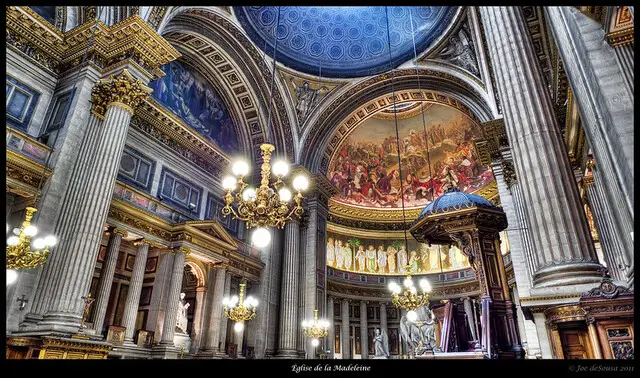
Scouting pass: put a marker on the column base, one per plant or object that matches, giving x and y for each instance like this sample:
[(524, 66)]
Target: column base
[(284, 354), (164, 351), (568, 274)]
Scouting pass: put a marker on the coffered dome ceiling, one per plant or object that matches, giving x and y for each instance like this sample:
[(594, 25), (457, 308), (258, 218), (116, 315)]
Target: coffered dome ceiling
[(344, 42)]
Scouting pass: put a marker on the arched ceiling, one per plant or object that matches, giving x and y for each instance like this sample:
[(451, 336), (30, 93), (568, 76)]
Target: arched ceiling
[(344, 42)]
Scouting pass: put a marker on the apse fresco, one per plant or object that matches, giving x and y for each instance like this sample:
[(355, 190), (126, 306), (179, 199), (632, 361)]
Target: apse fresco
[(365, 168), (391, 257), (189, 95)]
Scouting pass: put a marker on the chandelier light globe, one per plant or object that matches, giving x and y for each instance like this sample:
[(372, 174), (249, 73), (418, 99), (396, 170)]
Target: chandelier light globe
[(300, 183), (234, 300), (16, 231), (12, 276), (280, 168), (50, 240), (38, 243), (394, 287), (315, 342), (13, 240), (30, 230), (239, 309), (425, 285), (408, 282), (225, 302), (284, 194), (249, 194), (238, 327), (240, 168), (412, 316), (261, 237), (229, 183)]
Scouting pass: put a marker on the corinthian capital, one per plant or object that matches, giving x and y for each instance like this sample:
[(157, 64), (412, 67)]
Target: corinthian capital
[(124, 91)]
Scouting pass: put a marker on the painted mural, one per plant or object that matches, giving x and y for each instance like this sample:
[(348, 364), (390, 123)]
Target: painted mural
[(391, 257), (365, 168), (186, 93), (48, 13)]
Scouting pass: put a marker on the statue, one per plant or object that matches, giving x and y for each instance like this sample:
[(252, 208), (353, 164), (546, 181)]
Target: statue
[(419, 336), (88, 301), (307, 97), (181, 319), (460, 52), (381, 344)]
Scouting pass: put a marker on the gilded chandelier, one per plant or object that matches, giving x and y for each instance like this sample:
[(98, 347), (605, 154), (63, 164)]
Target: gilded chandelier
[(410, 299), (239, 309), (22, 252), (268, 206), (316, 329)]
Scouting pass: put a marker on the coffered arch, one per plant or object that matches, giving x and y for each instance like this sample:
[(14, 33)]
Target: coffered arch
[(242, 68)]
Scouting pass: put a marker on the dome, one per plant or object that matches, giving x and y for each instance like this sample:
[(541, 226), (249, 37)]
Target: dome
[(344, 41), (454, 199)]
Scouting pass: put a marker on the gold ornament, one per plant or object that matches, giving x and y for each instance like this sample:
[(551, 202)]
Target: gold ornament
[(19, 246), (239, 310), (125, 91), (315, 328)]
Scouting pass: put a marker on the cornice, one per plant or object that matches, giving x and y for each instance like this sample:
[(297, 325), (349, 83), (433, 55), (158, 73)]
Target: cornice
[(24, 176)]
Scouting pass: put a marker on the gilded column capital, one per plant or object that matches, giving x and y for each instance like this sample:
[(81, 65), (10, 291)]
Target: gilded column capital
[(124, 91), (221, 266), (183, 249), (143, 241)]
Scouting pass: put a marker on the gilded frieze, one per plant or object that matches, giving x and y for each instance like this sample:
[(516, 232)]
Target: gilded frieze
[(25, 177)]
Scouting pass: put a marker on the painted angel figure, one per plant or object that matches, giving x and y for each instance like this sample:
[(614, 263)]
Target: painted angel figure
[(348, 256), (360, 257), (331, 255), (381, 344), (382, 259), (339, 255), (460, 52)]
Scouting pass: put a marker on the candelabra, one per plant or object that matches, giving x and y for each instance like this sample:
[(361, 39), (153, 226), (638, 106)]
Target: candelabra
[(269, 205), (410, 299), (239, 309), (22, 252), (316, 329)]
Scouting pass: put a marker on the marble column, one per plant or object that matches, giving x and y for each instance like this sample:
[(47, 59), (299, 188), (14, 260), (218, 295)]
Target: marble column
[(364, 331), (135, 288), (564, 250), (106, 278), (289, 294), (224, 322), (383, 318), (593, 337), (468, 310), (197, 332), (331, 336), (603, 218), (305, 349), (543, 335), (155, 318), (213, 335), (606, 111), (625, 57), (71, 270), (346, 345), (173, 296)]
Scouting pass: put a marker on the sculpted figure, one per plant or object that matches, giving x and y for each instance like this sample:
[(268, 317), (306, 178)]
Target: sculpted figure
[(381, 344), (181, 319)]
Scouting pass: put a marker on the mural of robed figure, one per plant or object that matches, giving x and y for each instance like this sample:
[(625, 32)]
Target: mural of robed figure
[(191, 97)]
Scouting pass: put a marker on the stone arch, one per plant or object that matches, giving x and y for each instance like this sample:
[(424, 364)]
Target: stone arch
[(326, 121), (217, 26), (198, 270)]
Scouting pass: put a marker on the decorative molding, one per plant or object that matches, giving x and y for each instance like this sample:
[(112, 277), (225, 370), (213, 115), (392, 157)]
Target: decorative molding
[(132, 39), (25, 176)]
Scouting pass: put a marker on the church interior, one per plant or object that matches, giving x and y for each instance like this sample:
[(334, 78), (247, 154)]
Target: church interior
[(319, 182)]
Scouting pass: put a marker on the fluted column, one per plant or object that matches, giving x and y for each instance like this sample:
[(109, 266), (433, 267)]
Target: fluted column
[(114, 100), (135, 288), (173, 297), (564, 252), (606, 111), (625, 57), (593, 337), (213, 334), (383, 318), (289, 295), (106, 278), (305, 349), (198, 319), (346, 347), (602, 217), (364, 331), (468, 310), (331, 336), (224, 322)]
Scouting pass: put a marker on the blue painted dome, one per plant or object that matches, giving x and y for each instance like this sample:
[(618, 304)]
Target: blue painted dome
[(454, 199), (344, 41)]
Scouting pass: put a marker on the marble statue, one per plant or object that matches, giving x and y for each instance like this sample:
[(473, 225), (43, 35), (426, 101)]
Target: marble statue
[(381, 344), (181, 319), (419, 336), (460, 52)]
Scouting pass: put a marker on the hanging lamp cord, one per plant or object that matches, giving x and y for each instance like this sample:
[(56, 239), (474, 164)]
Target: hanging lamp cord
[(73, 93), (273, 71), (395, 117)]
